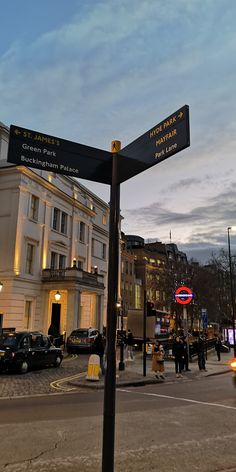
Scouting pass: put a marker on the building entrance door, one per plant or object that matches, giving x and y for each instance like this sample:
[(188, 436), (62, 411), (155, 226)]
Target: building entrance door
[(56, 317)]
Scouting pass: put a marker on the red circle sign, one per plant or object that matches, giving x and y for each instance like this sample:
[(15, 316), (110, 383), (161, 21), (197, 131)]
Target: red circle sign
[(183, 295)]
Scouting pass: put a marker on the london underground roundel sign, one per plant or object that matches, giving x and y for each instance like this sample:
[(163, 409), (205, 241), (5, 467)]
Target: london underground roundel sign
[(183, 295)]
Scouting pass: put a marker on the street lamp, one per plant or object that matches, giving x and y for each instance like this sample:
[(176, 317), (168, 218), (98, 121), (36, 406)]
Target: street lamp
[(232, 286), (57, 296)]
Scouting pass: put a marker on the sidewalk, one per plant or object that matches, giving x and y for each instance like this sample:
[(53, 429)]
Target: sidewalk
[(133, 373)]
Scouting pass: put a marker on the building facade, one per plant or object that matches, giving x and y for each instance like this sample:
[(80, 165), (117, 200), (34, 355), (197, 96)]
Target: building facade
[(53, 241)]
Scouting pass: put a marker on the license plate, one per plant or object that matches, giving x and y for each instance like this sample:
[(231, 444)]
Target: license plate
[(2, 353)]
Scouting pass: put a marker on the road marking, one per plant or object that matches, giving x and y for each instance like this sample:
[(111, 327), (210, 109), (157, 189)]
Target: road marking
[(58, 384), (178, 398)]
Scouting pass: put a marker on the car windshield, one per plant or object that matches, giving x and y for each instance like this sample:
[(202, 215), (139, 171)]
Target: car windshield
[(9, 340), (81, 333)]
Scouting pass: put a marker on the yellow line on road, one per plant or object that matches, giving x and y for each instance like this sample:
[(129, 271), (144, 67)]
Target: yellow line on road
[(58, 384)]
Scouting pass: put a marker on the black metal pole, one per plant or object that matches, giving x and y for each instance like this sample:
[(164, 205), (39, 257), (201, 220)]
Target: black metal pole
[(231, 290), (144, 332), (113, 269)]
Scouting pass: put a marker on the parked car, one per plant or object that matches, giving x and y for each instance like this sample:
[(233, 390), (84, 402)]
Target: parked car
[(21, 351), (81, 339)]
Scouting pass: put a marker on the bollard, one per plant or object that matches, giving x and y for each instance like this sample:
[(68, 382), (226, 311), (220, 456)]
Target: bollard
[(93, 368)]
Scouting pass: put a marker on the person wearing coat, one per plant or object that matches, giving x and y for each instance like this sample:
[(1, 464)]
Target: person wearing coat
[(98, 348), (158, 360), (178, 354), (218, 345)]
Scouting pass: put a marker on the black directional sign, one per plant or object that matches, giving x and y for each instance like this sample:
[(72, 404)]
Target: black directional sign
[(160, 142), (41, 151)]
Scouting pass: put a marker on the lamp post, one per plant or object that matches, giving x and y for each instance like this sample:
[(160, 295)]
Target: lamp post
[(232, 286)]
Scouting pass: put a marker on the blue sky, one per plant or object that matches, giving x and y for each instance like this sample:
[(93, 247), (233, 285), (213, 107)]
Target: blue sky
[(94, 71)]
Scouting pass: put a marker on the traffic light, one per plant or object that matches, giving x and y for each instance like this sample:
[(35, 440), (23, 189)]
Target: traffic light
[(150, 309)]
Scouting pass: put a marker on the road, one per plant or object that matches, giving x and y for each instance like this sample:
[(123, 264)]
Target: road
[(185, 426)]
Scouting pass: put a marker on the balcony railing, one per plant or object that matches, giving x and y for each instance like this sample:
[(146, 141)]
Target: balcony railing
[(71, 273)]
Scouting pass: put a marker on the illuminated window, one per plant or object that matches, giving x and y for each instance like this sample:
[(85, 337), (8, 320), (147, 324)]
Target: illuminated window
[(104, 219)]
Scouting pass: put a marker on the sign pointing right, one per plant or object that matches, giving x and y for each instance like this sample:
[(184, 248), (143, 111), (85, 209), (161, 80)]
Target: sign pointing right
[(160, 142)]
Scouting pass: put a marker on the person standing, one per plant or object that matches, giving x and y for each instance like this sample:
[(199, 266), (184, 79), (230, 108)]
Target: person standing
[(98, 348), (186, 358), (218, 345), (201, 354), (158, 360), (130, 344), (178, 354)]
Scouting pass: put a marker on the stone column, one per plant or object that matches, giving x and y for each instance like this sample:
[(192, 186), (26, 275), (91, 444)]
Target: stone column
[(73, 310)]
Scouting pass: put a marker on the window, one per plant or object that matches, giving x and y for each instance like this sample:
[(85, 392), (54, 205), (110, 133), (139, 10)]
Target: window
[(58, 261), (62, 261), (27, 315), (104, 251), (93, 247), (64, 223), (80, 264), (56, 219), (53, 260), (59, 222), (34, 208), (29, 259), (82, 232)]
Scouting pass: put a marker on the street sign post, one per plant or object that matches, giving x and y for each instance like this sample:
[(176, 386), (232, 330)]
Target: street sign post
[(41, 151)]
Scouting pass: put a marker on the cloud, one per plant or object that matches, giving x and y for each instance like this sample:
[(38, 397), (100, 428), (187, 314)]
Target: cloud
[(202, 224)]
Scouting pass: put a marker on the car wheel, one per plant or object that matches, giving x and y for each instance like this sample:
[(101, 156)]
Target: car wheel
[(57, 362), (23, 367)]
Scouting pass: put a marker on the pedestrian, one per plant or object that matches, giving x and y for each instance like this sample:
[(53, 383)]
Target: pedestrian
[(158, 360), (98, 348), (201, 353), (186, 357), (130, 344), (218, 345), (52, 332), (178, 354)]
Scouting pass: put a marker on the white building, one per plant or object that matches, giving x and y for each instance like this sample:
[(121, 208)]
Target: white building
[(53, 238)]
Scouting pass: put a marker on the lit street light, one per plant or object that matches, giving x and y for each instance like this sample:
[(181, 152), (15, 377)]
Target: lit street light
[(232, 286)]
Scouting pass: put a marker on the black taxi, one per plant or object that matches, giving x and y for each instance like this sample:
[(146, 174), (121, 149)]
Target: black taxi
[(22, 351)]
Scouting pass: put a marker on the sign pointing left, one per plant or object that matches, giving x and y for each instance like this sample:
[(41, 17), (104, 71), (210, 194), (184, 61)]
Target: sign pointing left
[(41, 151)]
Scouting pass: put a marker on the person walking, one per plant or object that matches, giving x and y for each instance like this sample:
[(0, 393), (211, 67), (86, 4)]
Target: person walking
[(130, 344), (178, 354), (201, 354), (218, 345), (98, 348), (158, 360)]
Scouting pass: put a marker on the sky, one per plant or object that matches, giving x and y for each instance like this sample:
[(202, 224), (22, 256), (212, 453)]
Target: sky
[(96, 70)]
